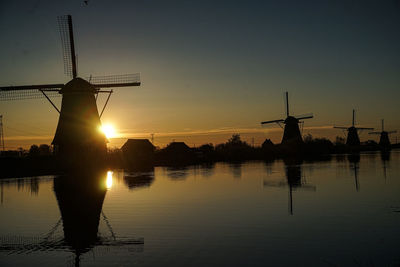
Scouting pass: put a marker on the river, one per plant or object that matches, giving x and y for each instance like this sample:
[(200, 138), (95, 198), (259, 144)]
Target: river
[(340, 212)]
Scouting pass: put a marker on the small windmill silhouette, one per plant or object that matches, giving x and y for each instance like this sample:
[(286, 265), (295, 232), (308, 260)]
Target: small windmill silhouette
[(291, 133), (384, 136), (352, 132)]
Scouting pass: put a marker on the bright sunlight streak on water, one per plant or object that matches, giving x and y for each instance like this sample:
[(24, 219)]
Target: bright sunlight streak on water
[(109, 180), (108, 130)]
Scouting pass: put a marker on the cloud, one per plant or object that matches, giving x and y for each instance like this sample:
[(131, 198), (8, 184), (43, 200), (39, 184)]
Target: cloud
[(22, 137), (130, 133)]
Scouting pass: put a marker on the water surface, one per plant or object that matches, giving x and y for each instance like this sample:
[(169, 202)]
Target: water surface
[(341, 212)]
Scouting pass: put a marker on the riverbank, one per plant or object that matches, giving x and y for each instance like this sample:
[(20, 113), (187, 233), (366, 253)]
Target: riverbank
[(37, 165)]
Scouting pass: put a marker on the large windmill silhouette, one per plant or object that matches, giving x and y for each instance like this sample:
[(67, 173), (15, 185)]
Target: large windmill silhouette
[(384, 136), (79, 120), (352, 132), (291, 133)]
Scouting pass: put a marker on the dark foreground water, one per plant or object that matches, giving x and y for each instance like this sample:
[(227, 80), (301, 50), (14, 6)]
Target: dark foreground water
[(342, 212)]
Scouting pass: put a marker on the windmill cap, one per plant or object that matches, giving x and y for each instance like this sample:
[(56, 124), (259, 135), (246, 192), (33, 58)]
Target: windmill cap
[(78, 85), (291, 119)]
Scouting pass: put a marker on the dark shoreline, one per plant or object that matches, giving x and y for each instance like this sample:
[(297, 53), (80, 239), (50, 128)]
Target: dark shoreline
[(28, 166)]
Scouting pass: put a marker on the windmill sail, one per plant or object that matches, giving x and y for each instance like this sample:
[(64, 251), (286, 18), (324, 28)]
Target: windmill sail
[(277, 121), (29, 91), (304, 116), (68, 47), (122, 80), (364, 128), (374, 133)]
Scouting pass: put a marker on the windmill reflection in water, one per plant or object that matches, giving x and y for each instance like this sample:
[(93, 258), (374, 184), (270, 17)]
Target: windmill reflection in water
[(385, 157), (354, 160), (294, 181), (80, 198)]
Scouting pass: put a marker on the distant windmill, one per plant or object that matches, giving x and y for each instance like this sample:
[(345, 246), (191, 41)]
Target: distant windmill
[(384, 139), (291, 133), (352, 135), (79, 122)]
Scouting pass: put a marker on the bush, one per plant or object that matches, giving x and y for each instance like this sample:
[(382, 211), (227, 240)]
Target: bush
[(34, 151)]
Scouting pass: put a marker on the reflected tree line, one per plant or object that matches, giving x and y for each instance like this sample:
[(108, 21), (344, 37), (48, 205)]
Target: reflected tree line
[(135, 180), (141, 155), (30, 184)]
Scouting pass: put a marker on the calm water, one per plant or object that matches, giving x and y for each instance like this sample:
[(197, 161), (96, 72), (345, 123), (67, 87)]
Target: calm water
[(342, 212)]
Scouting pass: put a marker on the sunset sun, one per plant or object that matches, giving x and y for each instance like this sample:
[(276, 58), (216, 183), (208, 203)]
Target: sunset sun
[(108, 130)]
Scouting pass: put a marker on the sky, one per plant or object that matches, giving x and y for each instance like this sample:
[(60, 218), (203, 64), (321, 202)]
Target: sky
[(208, 68)]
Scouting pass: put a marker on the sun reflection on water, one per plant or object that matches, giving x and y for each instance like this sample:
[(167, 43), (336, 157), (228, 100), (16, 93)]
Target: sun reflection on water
[(109, 180)]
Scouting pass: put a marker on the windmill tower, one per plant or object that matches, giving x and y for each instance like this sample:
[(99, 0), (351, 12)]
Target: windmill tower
[(352, 132), (384, 139), (291, 133), (77, 132)]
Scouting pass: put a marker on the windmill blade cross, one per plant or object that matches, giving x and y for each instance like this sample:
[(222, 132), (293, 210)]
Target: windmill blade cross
[(374, 133), (363, 128), (274, 121), (340, 127), (29, 91), (304, 116), (43, 87), (68, 48), (391, 132), (287, 103), (108, 81)]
